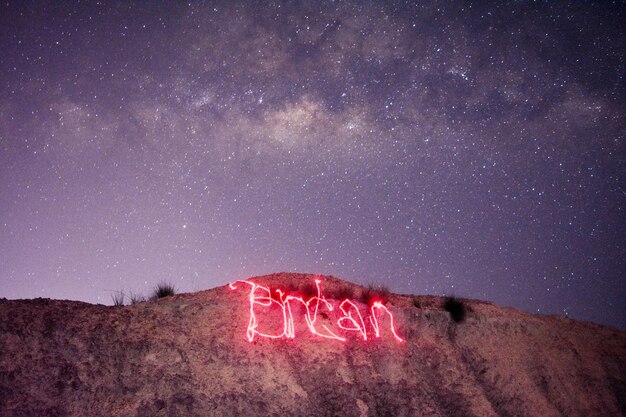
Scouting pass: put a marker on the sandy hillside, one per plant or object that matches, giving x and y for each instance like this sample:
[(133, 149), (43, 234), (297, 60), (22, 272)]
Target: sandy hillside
[(189, 355)]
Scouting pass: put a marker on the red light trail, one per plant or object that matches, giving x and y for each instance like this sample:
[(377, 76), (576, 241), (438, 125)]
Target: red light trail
[(350, 320)]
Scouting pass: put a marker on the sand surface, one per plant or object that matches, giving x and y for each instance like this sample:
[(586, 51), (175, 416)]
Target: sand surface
[(188, 355)]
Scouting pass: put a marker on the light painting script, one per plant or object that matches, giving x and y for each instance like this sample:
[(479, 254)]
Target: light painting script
[(350, 318)]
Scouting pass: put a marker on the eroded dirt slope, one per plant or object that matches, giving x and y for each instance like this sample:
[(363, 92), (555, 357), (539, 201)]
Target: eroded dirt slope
[(188, 355)]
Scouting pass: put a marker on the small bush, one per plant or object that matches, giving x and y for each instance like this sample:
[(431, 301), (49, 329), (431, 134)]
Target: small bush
[(368, 296), (416, 302), (118, 298), (136, 298), (164, 289), (308, 290), (456, 307), (374, 293)]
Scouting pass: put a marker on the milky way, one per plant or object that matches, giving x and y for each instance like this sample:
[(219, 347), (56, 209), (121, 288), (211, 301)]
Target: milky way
[(436, 148)]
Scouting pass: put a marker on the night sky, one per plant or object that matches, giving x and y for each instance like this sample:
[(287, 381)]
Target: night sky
[(436, 148)]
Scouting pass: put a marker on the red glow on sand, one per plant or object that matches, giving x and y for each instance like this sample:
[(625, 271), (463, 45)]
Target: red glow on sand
[(350, 320), (379, 306), (355, 325)]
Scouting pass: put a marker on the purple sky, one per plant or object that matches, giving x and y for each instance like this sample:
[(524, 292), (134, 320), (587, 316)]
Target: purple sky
[(440, 148)]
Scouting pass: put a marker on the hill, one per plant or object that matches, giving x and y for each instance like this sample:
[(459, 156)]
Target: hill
[(202, 354)]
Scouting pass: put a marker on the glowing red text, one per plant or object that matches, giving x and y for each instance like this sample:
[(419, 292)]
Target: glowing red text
[(284, 306)]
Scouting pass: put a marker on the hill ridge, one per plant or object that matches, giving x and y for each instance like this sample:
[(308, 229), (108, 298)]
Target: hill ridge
[(189, 355)]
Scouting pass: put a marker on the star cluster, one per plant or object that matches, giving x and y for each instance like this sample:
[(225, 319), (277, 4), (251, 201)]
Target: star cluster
[(435, 147)]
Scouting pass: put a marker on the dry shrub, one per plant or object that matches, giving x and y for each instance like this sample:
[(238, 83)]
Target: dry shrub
[(456, 307)]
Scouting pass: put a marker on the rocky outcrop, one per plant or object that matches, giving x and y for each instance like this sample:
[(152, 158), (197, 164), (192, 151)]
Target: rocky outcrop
[(189, 355)]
